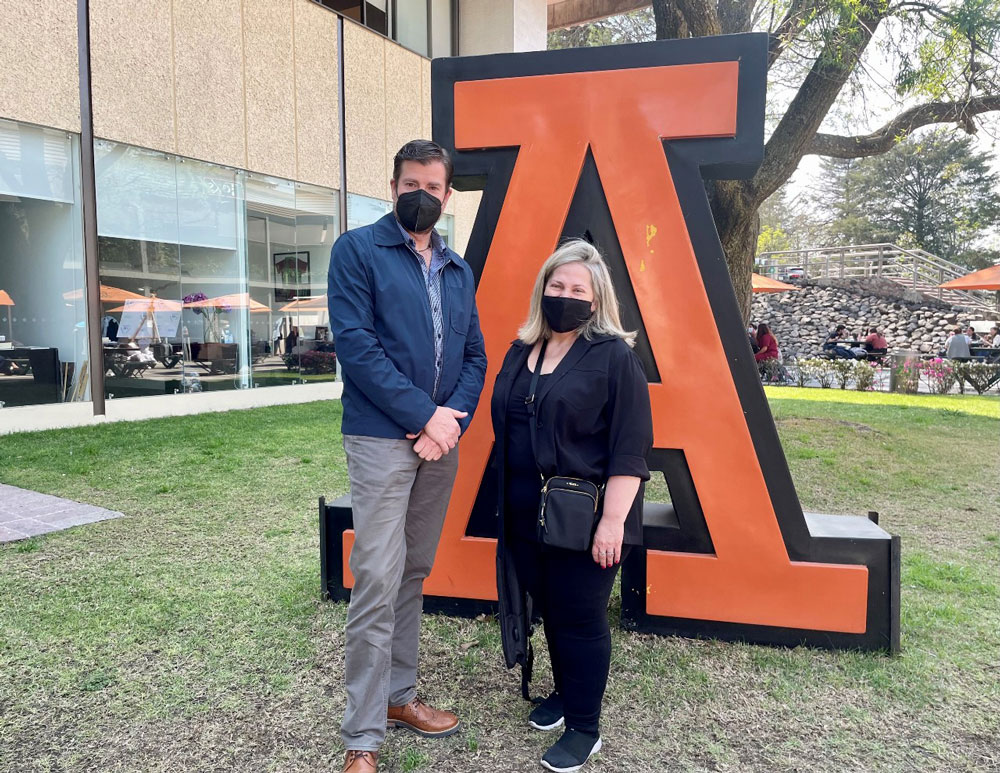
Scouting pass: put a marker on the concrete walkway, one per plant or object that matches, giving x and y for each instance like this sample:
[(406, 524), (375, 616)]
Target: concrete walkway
[(26, 513)]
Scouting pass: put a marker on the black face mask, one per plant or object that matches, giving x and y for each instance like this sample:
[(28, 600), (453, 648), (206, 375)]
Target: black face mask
[(418, 211), (565, 314)]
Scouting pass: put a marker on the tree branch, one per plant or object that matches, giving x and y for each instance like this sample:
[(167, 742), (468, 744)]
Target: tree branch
[(788, 29), (698, 18), (736, 15), (885, 138), (814, 98)]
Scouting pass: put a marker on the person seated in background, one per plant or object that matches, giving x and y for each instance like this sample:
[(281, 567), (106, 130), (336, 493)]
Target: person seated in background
[(995, 337), (9, 367), (973, 336), (768, 357), (875, 342), (834, 346), (752, 335), (957, 346)]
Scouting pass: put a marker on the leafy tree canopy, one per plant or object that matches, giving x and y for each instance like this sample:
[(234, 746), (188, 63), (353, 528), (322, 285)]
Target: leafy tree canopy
[(934, 62)]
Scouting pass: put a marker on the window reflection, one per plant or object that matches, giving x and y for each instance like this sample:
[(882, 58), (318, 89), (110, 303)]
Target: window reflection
[(43, 340), (205, 261)]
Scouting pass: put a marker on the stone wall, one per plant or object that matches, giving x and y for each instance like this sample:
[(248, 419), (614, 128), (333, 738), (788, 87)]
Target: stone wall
[(802, 318)]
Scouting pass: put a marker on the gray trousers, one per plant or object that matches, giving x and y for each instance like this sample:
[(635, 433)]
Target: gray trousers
[(399, 503)]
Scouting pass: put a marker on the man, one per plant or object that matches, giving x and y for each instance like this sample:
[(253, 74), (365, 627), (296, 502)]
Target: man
[(833, 346), (957, 346), (403, 313)]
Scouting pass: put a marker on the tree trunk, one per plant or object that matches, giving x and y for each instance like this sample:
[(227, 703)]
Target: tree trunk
[(736, 219)]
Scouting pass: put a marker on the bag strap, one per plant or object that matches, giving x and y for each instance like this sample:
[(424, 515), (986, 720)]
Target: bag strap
[(529, 663), (529, 402)]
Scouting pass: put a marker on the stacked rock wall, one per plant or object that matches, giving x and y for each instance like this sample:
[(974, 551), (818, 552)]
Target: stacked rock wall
[(801, 319)]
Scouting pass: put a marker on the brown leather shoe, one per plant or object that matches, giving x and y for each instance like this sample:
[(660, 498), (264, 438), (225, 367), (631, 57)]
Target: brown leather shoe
[(422, 719), (357, 761)]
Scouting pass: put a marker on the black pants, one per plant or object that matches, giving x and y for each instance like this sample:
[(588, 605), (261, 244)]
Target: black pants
[(571, 592)]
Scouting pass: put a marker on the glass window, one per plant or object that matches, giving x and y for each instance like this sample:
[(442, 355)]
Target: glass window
[(411, 25), (43, 336), (377, 15), (204, 267), (441, 28), (362, 210), (291, 228), (349, 8), (446, 227)]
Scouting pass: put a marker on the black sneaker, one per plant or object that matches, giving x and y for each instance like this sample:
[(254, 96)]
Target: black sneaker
[(571, 751), (547, 715)]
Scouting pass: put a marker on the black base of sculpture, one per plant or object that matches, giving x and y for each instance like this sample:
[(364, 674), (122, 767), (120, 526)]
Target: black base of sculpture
[(840, 538)]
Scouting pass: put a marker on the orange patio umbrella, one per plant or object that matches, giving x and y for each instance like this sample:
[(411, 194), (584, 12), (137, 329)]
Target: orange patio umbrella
[(761, 284), (985, 279), (6, 300), (149, 305), (301, 304), (109, 294), (233, 301)]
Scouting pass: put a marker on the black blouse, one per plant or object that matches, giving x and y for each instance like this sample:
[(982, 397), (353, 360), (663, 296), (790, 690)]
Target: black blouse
[(593, 420), (523, 481)]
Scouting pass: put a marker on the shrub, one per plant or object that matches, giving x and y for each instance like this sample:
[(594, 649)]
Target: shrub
[(841, 371), (864, 376), (318, 362), (940, 375), (815, 368), (908, 376), (980, 375)]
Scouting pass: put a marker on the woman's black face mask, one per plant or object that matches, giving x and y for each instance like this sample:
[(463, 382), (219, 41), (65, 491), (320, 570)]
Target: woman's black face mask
[(565, 314), (418, 211)]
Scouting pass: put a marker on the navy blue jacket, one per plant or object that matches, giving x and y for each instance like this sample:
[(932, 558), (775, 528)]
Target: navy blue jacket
[(381, 322)]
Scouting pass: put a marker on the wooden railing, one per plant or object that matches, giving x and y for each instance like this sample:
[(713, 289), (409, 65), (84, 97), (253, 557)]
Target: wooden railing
[(915, 269)]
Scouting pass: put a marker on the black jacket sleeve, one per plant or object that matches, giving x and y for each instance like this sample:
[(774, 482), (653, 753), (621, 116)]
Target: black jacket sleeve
[(630, 420)]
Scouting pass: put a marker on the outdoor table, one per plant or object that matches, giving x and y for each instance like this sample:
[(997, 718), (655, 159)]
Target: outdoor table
[(989, 354)]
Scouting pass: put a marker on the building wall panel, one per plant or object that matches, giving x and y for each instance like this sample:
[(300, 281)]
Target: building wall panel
[(39, 80), (404, 106), (268, 42), (208, 66), (132, 73), (365, 102), (317, 108)]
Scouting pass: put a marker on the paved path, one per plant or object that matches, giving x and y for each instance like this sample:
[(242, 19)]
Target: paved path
[(27, 513)]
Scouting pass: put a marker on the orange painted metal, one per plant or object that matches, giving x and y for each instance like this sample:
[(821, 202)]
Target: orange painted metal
[(622, 115)]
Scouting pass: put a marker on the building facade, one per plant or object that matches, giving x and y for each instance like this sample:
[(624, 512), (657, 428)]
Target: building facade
[(173, 177)]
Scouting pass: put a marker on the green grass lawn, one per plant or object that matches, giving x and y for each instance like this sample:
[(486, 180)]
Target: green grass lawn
[(189, 635)]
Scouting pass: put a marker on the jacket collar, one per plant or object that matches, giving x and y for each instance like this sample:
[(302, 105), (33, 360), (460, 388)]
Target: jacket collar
[(598, 339), (387, 233), (576, 353)]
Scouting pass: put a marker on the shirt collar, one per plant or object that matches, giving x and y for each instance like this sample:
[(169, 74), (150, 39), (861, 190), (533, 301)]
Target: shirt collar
[(440, 249)]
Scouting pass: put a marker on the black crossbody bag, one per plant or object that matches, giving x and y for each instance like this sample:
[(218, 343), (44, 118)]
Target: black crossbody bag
[(568, 507)]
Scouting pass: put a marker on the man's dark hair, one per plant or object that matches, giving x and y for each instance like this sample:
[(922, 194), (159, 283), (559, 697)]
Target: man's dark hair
[(423, 152), (841, 327), (873, 330)]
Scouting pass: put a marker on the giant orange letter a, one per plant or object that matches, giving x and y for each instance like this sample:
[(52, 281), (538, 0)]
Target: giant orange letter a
[(613, 144)]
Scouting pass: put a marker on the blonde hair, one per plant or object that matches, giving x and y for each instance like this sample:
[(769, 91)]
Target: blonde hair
[(605, 319)]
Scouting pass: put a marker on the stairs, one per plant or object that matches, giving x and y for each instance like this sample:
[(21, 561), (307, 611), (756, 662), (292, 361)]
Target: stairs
[(914, 269)]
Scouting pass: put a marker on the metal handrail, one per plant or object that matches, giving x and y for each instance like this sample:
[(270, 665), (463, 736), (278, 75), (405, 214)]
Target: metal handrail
[(913, 268)]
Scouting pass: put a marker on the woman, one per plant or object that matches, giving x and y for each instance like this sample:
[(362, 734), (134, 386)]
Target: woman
[(768, 349), (592, 421)]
